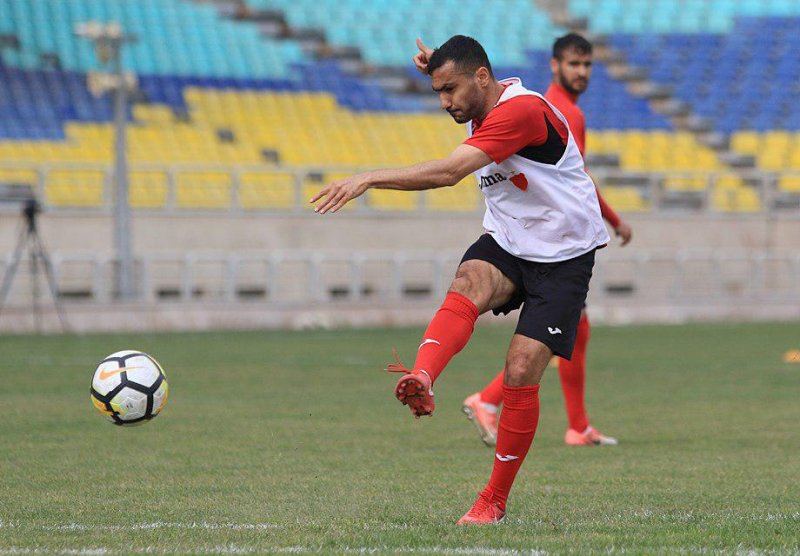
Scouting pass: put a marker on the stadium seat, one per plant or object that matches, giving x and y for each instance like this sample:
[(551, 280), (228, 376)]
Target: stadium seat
[(625, 199), (662, 151)]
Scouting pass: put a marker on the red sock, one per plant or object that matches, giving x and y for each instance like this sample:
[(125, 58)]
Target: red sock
[(493, 393), (573, 379), (515, 434), (447, 334)]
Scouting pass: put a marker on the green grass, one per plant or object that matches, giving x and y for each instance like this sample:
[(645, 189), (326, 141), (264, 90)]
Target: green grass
[(292, 442)]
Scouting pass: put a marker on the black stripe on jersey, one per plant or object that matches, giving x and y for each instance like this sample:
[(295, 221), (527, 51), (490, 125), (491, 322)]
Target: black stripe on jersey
[(550, 152)]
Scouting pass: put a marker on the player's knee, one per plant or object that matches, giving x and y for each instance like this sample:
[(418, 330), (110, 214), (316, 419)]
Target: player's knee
[(469, 285), (523, 368), (462, 284)]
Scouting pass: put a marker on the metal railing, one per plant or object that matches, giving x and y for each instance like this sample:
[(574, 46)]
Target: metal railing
[(658, 190), (307, 277)]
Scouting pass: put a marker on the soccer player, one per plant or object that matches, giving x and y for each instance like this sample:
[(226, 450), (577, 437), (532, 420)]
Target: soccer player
[(542, 223), (571, 66)]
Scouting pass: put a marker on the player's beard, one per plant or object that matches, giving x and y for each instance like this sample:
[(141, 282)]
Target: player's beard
[(471, 110), (459, 117), (570, 87)]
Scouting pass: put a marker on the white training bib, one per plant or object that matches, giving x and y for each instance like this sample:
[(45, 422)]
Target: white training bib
[(539, 211)]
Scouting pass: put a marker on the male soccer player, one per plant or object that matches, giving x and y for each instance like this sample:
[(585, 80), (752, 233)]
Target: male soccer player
[(571, 66), (542, 225)]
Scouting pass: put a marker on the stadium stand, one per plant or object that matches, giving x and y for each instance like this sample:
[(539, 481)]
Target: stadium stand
[(378, 27), (252, 110), (730, 62), (659, 17)]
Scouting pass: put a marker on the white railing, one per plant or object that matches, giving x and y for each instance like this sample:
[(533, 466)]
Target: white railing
[(305, 277)]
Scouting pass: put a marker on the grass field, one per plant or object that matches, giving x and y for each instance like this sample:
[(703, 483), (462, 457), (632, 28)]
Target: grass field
[(291, 442)]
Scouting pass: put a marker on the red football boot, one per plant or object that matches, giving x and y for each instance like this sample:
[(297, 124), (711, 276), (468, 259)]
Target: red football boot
[(414, 389), (483, 512)]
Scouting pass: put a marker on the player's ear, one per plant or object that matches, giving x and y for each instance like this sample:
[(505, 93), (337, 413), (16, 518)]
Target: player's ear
[(483, 76), (553, 65)]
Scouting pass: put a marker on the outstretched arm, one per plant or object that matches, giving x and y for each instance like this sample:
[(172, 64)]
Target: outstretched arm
[(425, 175)]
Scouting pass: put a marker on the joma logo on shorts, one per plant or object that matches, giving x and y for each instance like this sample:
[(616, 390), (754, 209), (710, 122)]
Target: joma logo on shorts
[(492, 179)]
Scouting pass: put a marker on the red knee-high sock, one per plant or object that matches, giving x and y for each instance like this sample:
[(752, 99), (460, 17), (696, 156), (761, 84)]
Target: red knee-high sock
[(573, 379), (493, 393), (447, 334), (515, 434)]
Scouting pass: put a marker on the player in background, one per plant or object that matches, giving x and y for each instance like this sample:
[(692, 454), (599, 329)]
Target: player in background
[(571, 66), (542, 223)]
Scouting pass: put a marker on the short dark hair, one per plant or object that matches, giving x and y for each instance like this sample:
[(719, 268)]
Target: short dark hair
[(570, 41), (466, 53)]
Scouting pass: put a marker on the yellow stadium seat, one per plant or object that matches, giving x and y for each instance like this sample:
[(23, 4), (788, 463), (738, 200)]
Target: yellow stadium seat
[(625, 199), (148, 189), (74, 188), (746, 142), (789, 184), (210, 189), (737, 199), (691, 182), (19, 175), (728, 181), (464, 196), (267, 190), (386, 199)]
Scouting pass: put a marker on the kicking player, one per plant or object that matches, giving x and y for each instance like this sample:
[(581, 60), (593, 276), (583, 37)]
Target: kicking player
[(542, 223), (571, 66)]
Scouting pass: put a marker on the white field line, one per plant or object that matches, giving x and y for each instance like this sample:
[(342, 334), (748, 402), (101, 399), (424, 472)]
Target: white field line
[(447, 551), (624, 517), (234, 549), (144, 526)]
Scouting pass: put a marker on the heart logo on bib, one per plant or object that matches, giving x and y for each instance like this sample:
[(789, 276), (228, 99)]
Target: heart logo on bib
[(520, 181)]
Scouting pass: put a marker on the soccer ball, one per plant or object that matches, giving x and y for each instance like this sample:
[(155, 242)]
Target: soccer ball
[(129, 388)]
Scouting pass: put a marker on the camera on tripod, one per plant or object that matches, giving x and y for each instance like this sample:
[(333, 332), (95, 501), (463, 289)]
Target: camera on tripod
[(23, 196), (29, 210)]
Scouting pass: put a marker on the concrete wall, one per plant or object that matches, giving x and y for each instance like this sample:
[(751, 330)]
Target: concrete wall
[(637, 283), (66, 232)]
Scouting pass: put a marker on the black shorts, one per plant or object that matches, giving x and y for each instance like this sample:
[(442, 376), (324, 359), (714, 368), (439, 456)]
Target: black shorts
[(552, 295)]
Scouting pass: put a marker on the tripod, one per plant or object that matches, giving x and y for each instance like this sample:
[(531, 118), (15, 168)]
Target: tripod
[(29, 238)]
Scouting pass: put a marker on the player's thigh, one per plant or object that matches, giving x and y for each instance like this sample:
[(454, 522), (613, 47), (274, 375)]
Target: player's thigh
[(526, 361), (556, 298), (482, 283)]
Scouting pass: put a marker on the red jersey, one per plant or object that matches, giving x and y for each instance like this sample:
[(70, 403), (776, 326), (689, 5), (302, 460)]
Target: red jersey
[(567, 104), (524, 122)]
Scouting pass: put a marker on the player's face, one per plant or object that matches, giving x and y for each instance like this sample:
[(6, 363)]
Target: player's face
[(573, 70), (459, 92)]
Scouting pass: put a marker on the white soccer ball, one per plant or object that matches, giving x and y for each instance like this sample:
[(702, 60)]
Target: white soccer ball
[(129, 388)]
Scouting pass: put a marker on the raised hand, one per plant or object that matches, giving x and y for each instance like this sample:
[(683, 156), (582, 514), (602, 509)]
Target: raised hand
[(421, 58)]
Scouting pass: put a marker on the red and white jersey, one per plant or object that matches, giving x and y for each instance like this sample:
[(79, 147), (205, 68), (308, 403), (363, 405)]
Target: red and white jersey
[(540, 203)]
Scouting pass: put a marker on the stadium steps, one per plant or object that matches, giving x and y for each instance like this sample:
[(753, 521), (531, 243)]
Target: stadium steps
[(275, 24), (663, 101)]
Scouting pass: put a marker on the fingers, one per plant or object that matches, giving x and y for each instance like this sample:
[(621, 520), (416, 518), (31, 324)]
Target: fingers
[(335, 197), (427, 51), (625, 233), (319, 195), (419, 64), (421, 58)]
